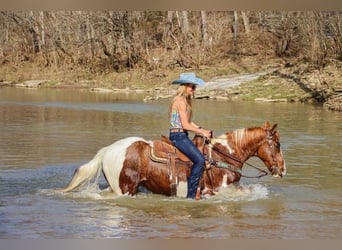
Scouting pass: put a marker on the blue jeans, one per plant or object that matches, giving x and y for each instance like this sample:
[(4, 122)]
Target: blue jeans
[(187, 147)]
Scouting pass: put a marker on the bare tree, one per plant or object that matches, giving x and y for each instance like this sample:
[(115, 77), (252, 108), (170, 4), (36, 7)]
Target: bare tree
[(235, 25), (245, 22), (204, 29), (335, 32), (105, 41), (169, 20), (185, 22)]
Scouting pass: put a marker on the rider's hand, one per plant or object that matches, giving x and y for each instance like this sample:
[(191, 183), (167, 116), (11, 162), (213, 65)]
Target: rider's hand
[(207, 133)]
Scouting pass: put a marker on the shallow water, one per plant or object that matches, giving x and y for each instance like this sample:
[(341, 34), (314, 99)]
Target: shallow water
[(46, 134)]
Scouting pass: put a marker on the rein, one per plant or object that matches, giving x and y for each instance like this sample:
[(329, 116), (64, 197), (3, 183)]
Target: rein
[(226, 165)]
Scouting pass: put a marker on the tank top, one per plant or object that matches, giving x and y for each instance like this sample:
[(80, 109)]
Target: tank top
[(175, 121)]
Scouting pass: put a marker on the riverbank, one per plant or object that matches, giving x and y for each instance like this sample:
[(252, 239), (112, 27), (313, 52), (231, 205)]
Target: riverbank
[(278, 81)]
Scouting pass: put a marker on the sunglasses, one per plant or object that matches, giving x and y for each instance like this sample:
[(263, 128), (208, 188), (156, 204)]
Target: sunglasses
[(191, 86)]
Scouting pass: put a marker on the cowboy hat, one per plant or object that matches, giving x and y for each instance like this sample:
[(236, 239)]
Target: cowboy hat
[(188, 78)]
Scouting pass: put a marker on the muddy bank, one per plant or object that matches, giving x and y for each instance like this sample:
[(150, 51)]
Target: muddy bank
[(281, 84), (286, 82)]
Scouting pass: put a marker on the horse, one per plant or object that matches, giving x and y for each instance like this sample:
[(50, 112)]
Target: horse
[(133, 163)]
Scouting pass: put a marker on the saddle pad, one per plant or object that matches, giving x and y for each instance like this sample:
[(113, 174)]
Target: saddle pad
[(162, 150)]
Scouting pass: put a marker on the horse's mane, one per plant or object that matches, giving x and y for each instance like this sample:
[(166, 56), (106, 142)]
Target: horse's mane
[(242, 138)]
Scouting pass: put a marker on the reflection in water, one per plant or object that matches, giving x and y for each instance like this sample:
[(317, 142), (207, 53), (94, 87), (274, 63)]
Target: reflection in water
[(46, 134)]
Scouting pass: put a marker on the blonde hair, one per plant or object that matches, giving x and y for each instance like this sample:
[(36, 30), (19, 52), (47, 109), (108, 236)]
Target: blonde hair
[(181, 92)]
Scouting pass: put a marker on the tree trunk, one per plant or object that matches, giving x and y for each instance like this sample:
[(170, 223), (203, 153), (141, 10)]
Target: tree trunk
[(169, 24), (245, 22), (34, 28), (235, 26), (185, 22), (42, 26), (169, 17), (90, 34), (204, 29)]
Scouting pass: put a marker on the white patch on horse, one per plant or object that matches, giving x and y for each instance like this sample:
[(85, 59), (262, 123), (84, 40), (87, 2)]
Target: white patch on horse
[(224, 181), (222, 139), (182, 189), (113, 161), (284, 171)]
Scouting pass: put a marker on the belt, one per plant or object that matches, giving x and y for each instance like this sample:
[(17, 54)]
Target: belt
[(176, 130)]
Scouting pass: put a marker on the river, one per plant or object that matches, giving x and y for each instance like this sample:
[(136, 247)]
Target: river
[(45, 134)]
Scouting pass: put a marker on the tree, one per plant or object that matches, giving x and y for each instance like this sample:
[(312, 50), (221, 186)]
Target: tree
[(204, 29), (245, 22), (185, 22)]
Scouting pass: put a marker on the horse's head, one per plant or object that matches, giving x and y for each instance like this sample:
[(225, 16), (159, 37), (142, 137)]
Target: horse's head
[(270, 153)]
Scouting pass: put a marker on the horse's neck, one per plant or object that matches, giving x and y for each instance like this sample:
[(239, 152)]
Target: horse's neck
[(198, 140), (245, 142), (242, 143)]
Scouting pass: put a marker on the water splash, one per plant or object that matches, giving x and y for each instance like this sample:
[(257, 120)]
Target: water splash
[(243, 192), (92, 191)]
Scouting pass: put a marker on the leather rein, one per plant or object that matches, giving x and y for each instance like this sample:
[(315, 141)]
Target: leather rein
[(219, 164)]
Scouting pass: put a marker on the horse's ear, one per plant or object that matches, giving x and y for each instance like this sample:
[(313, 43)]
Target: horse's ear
[(267, 125), (274, 127)]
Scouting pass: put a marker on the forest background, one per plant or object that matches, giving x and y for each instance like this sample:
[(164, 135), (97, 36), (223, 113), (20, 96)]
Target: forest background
[(298, 50)]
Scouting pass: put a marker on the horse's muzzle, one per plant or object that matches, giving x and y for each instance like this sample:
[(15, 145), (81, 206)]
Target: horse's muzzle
[(275, 171)]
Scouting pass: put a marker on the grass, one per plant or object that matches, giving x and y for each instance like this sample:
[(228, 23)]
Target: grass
[(271, 88), (135, 77)]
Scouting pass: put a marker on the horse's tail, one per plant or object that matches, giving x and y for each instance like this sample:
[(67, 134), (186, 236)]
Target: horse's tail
[(85, 173)]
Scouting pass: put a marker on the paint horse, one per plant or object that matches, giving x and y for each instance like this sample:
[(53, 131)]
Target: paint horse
[(133, 163)]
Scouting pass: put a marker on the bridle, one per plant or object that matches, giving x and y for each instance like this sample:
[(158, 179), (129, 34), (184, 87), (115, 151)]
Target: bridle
[(219, 164), (270, 140)]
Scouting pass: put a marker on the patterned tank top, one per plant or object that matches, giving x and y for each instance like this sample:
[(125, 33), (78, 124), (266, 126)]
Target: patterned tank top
[(175, 121)]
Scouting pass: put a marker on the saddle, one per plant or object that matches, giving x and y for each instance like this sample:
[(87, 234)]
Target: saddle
[(163, 151)]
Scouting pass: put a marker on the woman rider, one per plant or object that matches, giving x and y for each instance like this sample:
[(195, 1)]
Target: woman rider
[(181, 123)]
